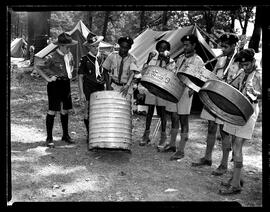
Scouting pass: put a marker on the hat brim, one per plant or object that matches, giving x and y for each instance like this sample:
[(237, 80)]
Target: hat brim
[(73, 42), (99, 39)]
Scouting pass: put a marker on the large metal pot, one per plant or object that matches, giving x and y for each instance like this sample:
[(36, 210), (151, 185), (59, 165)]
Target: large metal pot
[(162, 83), (195, 76), (110, 123), (226, 102)]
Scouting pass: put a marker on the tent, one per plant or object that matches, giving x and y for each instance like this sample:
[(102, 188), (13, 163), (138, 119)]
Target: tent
[(79, 33), (18, 48), (146, 42)]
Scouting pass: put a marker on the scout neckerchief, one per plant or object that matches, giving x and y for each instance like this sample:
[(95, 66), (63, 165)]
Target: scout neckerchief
[(97, 67), (227, 65), (121, 69), (186, 56), (68, 63)]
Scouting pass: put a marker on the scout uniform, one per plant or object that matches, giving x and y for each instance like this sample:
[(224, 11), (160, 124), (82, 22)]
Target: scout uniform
[(59, 65)]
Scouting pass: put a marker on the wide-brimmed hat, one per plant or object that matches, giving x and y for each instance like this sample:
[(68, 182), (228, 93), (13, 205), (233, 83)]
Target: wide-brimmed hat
[(65, 39), (93, 39)]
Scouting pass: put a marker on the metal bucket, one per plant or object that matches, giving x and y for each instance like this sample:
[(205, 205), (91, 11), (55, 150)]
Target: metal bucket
[(195, 76), (110, 123), (163, 83), (226, 102)]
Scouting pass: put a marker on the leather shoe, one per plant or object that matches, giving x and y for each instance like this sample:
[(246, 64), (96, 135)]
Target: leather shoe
[(168, 148), (230, 190), (177, 155), (143, 142), (68, 139), (49, 142), (220, 170), (202, 162), (228, 183)]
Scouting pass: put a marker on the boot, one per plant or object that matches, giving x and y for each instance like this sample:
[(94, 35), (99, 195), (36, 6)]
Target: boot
[(170, 147), (64, 122), (162, 140), (179, 154), (86, 122), (49, 127), (145, 138)]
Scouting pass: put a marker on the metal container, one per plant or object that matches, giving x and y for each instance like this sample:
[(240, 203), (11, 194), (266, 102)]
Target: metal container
[(226, 102), (110, 123), (163, 83), (195, 76)]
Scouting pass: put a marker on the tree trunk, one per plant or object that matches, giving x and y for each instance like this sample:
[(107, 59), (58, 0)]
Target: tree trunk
[(105, 25), (142, 20), (90, 20), (164, 20), (38, 29), (233, 17), (210, 18), (256, 35)]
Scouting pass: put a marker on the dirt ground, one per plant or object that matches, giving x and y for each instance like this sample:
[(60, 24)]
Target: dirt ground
[(71, 173)]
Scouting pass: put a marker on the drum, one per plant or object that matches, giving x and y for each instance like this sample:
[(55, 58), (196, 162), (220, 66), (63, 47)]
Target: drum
[(226, 102), (195, 76), (162, 83), (110, 123)]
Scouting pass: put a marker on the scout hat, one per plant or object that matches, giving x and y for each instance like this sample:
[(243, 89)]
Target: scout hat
[(192, 38), (229, 37), (127, 39), (246, 55), (93, 39), (163, 41), (65, 39)]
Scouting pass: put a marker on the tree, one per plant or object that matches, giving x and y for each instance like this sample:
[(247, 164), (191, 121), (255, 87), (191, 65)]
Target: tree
[(244, 15), (105, 25), (256, 35), (142, 20), (164, 20)]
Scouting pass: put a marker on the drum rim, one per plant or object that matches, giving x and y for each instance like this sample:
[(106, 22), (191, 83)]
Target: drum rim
[(246, 111)]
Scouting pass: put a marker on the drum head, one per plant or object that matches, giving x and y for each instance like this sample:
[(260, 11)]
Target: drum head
[(158, 91)]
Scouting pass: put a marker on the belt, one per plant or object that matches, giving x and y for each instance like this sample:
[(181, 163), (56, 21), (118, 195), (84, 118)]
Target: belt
[(118, 83)]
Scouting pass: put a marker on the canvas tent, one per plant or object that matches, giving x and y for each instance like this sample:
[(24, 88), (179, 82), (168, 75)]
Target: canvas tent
[(79, 33), (17, 48), (146, 42)]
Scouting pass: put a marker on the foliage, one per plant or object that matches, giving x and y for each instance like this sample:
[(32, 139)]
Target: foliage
[(128, 22)]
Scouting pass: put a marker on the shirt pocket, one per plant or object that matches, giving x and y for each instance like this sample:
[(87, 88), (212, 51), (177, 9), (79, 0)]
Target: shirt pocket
[(58, 64)]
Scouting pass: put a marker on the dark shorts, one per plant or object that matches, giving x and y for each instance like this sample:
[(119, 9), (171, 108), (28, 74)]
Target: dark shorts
[(59, 91), (89, 89)]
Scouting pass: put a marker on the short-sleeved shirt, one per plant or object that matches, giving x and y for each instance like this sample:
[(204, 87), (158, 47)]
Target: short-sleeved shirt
[(88, 70), (54, 64), (112, 64), (231, 69)]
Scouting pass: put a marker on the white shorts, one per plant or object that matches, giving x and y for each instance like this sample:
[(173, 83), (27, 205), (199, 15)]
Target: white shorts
[(245, 131)]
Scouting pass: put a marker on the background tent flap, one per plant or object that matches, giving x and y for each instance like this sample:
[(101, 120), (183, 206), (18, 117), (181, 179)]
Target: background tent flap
[(17, 48), (79, 33), (146, 42)]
